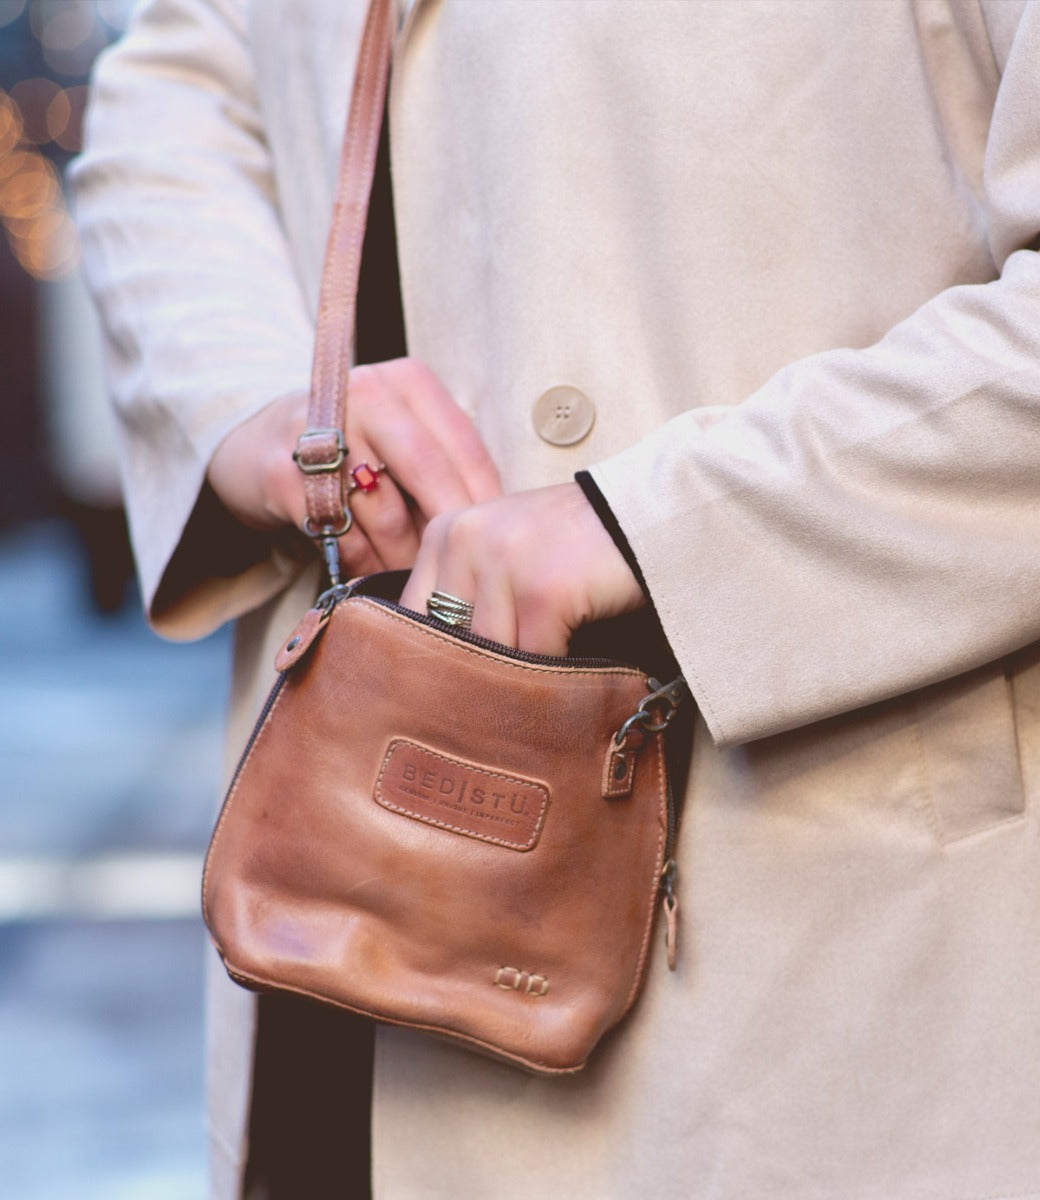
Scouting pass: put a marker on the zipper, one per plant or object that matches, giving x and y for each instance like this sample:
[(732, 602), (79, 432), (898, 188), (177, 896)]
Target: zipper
[(672, 825), (474, 639), (272, 696)]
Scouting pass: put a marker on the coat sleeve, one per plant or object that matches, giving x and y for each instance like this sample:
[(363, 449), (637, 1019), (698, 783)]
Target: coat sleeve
[(204, 316), (868, 522)]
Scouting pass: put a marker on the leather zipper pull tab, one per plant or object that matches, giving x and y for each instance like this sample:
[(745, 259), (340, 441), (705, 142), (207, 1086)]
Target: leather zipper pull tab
[(301, 639), (670, 903), (310, 625), (619, 769)]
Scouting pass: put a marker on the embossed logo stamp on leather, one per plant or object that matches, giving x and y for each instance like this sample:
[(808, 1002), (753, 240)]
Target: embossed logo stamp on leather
[(462, 797)]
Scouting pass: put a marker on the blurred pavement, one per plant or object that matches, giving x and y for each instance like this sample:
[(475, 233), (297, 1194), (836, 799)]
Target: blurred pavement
[(110, 744)]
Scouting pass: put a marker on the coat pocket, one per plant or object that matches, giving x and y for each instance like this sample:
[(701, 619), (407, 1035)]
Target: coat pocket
[(969, 753)]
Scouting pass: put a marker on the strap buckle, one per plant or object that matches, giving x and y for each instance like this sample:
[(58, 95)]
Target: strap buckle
[(311, 466)]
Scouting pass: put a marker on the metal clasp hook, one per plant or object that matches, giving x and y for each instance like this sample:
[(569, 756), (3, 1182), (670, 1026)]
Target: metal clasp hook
[(667, 697)]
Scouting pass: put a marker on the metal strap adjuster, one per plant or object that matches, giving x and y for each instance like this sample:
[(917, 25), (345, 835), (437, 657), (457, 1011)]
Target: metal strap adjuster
[(320, 468)]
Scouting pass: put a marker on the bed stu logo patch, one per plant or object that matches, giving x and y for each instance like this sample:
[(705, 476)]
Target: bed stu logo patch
[(462, 797)]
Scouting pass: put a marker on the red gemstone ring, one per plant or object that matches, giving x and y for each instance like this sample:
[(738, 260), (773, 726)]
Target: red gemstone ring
[(364, 478)]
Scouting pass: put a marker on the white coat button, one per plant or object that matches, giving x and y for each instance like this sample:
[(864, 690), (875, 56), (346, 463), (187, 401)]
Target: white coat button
[(563, 416)]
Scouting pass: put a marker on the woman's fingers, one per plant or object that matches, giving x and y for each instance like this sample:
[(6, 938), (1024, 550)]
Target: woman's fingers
[(252, 471), (455, 433), (412, 424), (495, 613), (436, 411), (535, 566), (451, 560), (398, 414), (385, 531), (415, 457)]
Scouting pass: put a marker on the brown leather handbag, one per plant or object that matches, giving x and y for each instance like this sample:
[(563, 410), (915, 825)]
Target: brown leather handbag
[(426, 827)]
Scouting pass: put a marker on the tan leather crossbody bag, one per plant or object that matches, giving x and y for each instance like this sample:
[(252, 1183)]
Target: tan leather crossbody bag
[(425, 827)]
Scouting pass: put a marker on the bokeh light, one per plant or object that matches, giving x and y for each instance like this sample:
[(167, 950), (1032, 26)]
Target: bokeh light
[(69, 34), (65, 118), (41, 118), (58, 114), (115, 12), (32, 206), (10, 125), (33, 96), (10, 10), (67, 26)]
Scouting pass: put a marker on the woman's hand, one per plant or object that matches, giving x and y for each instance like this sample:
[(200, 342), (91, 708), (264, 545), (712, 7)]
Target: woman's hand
[(535, 566), (398, 414)]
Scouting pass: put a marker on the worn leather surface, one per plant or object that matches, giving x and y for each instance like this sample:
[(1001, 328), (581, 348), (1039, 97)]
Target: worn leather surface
[(418, 832)]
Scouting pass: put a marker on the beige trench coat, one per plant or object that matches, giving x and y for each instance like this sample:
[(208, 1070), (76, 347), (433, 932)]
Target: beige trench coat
[(786, 248)]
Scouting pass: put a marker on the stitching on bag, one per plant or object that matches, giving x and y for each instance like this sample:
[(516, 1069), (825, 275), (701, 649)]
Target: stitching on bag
[(494, 1050), (225, 810), (483, 837)]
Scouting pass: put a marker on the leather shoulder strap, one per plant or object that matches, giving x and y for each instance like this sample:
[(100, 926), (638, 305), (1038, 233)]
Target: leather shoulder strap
[(321, 451)]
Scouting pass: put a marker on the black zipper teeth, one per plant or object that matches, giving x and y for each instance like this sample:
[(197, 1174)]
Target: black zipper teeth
[(473, 639), (673, 821), (268, 704)]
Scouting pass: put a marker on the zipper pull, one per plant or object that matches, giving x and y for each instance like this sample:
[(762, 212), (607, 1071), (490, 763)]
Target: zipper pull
[(670, 903), (653, 715)]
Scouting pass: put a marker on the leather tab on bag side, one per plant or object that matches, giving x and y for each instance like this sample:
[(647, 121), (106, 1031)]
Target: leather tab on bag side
[(619, 767), (301, 639)]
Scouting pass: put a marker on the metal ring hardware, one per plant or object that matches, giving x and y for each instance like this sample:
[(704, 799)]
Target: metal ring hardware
[(329, 531), (326, 537), (668, 695)]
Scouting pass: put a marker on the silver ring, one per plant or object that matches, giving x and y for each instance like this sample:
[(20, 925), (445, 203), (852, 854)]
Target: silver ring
[(450, 610)]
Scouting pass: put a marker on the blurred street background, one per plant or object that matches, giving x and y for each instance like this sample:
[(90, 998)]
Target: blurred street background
[(109, 738)]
